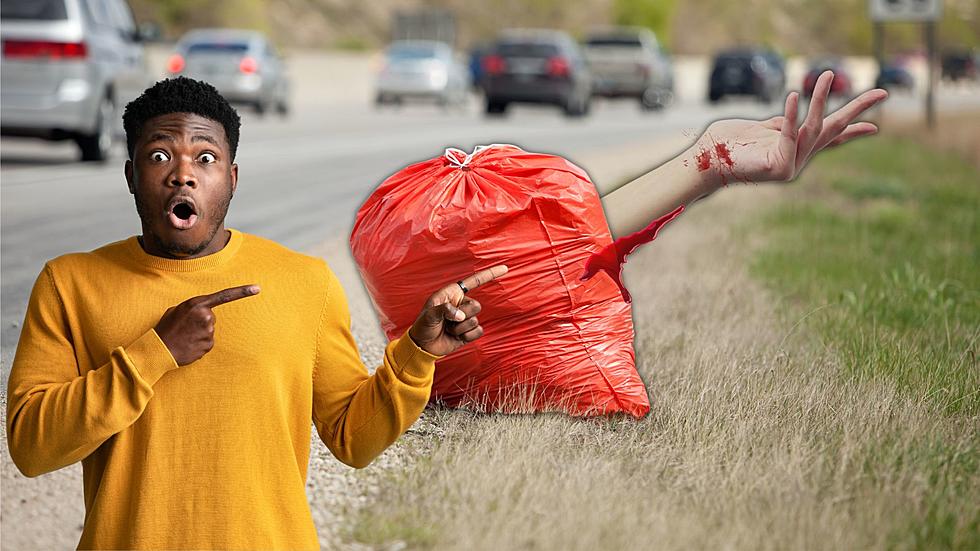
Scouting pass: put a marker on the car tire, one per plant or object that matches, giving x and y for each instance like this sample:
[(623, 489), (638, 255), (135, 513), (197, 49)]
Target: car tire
[(260, 107), (652, 100), (715, 97), (282, 108), (575, 107), (98, 145), (496, 107)]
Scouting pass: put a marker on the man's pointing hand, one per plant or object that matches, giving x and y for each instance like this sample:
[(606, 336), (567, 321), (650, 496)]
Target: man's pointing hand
[(188, 328), (448, 320)]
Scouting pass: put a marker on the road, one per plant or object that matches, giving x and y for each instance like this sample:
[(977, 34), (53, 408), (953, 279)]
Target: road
[(302, 178)]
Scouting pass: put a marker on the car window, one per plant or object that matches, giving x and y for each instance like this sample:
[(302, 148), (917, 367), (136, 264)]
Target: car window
[(614, 41), (98, 13), (122, 18), (526, 49), (36, 10), (405, 53), (217, 47)]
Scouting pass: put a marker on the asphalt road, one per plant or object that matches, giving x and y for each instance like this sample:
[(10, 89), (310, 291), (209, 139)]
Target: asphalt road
[(302, 178)]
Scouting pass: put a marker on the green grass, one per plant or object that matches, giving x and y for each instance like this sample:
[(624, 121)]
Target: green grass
[(885, 269), (892, 261)]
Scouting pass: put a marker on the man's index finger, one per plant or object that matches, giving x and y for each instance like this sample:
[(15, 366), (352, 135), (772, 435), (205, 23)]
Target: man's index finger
[(228, 295), (484, 276)]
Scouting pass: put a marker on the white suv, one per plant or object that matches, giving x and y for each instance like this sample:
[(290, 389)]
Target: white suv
[(69, 66)]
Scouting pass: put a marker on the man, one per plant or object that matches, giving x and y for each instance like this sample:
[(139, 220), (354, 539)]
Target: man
[(183, 366)]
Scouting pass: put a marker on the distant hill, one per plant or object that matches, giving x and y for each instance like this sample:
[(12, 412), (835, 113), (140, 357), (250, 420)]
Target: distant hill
[(685, 26)]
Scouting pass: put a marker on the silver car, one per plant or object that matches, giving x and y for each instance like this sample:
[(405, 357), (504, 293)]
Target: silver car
[(628, 62), (243, 65), (69, 67), (422, 69)]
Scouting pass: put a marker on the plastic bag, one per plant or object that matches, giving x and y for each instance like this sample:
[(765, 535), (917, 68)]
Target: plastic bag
[(551, 341)]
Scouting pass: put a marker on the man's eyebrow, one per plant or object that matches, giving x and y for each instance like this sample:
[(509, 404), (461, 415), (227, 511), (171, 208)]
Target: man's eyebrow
[(161, 136), (204, 138)]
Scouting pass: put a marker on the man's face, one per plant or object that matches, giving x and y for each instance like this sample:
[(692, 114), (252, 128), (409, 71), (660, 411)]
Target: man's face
[(183, 180)]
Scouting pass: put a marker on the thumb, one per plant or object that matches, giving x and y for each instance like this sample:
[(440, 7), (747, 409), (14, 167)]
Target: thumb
[(435, 315)]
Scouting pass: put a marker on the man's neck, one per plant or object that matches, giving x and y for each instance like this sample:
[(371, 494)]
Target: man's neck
[(209, 250)]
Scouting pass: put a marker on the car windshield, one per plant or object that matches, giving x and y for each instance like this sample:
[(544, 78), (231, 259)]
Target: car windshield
[(410, 53), (526, 49), (614, 41), (217, 47), (35, 10)]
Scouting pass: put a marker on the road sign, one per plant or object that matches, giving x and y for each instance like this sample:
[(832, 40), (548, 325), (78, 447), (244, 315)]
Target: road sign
[(905, 10)]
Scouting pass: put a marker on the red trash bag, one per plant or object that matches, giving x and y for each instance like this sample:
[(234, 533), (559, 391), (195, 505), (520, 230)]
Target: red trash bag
[(551, 342)]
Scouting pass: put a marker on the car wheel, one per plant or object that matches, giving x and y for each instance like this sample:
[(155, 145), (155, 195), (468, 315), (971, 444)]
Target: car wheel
[(98, 146), (496, 107), (260, 107), (652, 100), (715, 97), (282, 108), (574, 107)]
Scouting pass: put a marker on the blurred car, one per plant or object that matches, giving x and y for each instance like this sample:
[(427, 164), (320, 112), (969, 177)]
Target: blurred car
[(537, 66), (895, 77), (628, 62), (242, 64), (68, 68), (756, 72), (840, 86), (959, 65), (424, 69)]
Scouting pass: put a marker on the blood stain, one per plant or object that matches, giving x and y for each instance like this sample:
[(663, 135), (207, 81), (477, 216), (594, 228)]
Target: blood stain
[(612, 257)]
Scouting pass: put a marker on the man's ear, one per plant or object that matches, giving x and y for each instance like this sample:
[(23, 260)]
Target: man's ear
[(130, 182), (234, 177)]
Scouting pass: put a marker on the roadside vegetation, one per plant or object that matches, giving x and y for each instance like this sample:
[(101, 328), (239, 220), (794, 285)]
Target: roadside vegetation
[(811, 358)]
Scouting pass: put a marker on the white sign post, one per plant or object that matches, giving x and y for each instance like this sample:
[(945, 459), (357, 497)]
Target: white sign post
[(925, 11)]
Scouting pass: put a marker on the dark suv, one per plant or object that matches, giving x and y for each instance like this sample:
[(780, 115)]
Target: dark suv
[(754, 72), (536, 66)]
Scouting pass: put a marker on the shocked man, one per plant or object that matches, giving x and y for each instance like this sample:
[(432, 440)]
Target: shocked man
[(183, 366)]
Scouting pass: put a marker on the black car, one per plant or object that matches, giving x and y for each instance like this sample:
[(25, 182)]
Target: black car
[(536, 66), (754, 72), (895, 77), (959, 65)]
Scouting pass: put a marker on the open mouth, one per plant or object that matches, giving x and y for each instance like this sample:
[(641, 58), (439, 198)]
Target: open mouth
[(182, 213)]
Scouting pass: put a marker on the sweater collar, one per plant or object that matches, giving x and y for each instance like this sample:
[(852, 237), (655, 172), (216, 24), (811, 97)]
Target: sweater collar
[(190, 265)]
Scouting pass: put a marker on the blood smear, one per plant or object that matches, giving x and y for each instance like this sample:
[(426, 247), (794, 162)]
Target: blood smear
[(613, 256)]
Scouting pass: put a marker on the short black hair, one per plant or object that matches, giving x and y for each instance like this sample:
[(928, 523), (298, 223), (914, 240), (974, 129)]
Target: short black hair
[(180, 95)]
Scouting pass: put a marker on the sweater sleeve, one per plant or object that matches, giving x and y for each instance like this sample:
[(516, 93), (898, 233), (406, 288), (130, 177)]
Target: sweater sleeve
[(55, 415), (359, 415)]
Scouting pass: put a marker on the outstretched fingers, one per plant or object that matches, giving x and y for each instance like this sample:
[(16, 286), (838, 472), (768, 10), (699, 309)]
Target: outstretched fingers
[(840, 120), (852, 131), (813, 125)]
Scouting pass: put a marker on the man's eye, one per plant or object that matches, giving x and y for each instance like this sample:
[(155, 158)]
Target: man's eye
[(159, 156), (207, 158)]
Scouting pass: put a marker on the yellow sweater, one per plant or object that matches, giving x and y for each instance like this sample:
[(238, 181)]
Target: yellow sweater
[(212, 454)]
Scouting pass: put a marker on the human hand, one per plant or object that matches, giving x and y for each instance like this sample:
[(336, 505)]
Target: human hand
[(188, 328), (448, 319), (775, 149)]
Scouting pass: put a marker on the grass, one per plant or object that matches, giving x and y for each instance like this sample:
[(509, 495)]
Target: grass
[(842, 417), (896, 260)]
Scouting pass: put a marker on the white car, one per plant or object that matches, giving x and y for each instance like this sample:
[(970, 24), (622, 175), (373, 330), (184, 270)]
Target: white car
[(69, 67), (422, 69), (241, 64)]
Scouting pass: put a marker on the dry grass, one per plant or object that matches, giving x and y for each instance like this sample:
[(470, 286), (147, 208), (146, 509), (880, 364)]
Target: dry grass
[(756, 440)]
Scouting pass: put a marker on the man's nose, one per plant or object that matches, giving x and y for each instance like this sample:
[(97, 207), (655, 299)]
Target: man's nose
[(183, 174)]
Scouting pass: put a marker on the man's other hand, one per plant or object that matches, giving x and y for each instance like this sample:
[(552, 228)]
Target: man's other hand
[(188, 328), (448, 320)]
